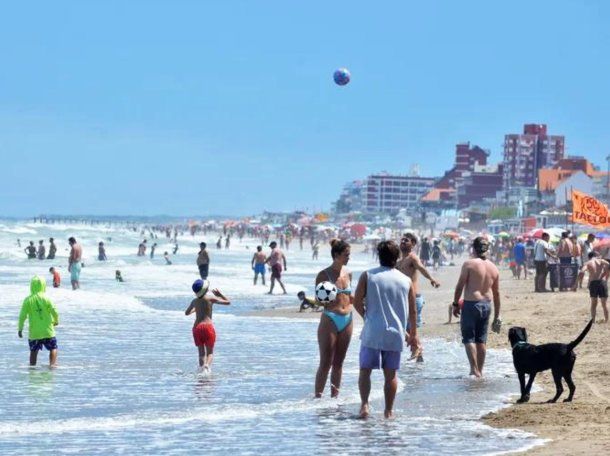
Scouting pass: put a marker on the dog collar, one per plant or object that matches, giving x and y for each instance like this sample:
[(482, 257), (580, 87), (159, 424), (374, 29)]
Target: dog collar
[(520, 343)]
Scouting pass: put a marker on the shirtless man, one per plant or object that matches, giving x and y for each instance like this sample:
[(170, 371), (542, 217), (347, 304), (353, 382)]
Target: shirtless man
[(203, 261), (74, 262), (275, 259), (598, 282), (52, 249), (565, 252), (258, 263), (410, 264), (41, 253), (479, 280), (204, 334)]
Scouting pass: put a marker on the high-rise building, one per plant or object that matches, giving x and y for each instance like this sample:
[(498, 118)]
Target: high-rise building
[(350, 199), (527, 153), (387, 193)]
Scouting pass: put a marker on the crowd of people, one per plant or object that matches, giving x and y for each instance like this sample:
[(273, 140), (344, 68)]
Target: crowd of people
[(387, 297)]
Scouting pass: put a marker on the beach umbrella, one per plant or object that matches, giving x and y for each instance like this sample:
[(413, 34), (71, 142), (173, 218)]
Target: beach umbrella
[(602, 235), (602, 244), (503, 234), (536, 233)]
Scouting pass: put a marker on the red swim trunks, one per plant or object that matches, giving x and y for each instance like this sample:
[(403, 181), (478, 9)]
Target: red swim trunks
[(276, 271), (204, 334)]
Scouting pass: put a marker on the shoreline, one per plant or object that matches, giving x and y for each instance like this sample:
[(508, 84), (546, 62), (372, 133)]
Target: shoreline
[(573, 428)]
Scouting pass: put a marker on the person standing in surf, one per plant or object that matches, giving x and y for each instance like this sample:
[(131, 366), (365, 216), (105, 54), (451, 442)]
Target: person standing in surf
[(74, 262), (42, 318), (204, 334), (385, 298), (335, 328), (410, 264)]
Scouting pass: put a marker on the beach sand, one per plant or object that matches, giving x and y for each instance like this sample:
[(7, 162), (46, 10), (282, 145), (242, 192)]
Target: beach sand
[(580, 427)]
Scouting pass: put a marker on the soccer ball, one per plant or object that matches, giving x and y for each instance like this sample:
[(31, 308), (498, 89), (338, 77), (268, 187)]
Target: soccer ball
[(341, 76), (326, 292)]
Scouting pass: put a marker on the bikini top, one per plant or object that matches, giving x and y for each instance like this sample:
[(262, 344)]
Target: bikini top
[(347, 290)]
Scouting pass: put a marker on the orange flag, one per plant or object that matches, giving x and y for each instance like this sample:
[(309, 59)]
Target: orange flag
[(588, 210)]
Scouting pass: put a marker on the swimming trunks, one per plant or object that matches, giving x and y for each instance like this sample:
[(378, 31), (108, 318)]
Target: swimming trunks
[(75, 272), (259, 268), (341, 321), (204, 334), (598, 289), (370, 359), (204, 270), (37, 344), (475, 321), (276, 271)]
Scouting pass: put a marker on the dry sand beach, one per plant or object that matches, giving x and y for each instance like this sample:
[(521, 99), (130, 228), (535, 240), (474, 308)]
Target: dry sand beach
[(580, 427)]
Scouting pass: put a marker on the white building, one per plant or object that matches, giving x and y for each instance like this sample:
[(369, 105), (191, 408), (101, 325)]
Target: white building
[(386, 193), (577, 181)]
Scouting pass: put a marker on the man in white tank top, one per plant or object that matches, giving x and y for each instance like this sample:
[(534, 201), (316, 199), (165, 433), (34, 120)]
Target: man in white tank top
[(390, 301)]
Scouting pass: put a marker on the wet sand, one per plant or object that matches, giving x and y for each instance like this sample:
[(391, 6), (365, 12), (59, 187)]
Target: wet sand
[(580, 427)]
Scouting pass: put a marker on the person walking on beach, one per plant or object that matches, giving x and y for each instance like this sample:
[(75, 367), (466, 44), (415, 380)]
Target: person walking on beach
[(101, 252), (42, 318), (437, 255), (520, 258), (258, 264), (598, 270), (335, 328), (74, 262), (204, 334), (385, 298), (203, 261), (30, 251), (275, 260), (52, 249), (424, 251), (410, 264), (586, 249), (542, 251), (480, 282), (42, 251)]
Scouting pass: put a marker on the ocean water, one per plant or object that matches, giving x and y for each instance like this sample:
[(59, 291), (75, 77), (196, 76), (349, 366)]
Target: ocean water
[(127, 382)]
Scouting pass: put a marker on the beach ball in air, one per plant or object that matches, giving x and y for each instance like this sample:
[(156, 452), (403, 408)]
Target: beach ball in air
[(341, 76), (326, 292)]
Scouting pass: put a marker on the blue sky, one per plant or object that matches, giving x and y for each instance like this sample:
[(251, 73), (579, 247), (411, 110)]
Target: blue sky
[(197, 107)]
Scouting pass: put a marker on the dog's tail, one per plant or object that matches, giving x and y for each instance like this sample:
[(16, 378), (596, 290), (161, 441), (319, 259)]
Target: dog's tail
[(579, 339)]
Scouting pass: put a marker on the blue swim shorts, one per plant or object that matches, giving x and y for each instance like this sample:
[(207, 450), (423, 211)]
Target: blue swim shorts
[(419, 304), (37, 344), (259, 268), (371, 358), (75, 269), (475, 321)]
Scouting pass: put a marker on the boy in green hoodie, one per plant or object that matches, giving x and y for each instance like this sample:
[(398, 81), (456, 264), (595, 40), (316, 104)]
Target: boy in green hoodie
[(42, 318)]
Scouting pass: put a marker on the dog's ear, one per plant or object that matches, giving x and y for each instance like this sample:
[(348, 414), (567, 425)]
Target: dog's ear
[(524, 335)]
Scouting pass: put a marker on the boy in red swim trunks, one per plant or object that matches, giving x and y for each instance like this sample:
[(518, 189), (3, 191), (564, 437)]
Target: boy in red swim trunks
[(204, 334)]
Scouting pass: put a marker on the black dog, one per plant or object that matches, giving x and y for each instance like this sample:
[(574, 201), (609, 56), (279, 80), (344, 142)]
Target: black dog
[(531, 359)]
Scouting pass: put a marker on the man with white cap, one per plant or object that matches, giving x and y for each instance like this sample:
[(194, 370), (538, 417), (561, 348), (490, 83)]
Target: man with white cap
[(204, 334)]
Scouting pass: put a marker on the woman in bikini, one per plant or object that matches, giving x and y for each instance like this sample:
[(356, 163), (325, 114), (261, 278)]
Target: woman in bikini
[(335, 329)]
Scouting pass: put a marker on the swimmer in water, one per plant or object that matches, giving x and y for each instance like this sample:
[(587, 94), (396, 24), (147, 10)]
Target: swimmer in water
[(118, 277), (30, 250), (52, 249), (101, 252), (166, 256), (204, 334)]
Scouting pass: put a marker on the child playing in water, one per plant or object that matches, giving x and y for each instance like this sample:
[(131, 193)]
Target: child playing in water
[(204, 334), (42, 318), (118, 277), (56, 277), (166, 256)]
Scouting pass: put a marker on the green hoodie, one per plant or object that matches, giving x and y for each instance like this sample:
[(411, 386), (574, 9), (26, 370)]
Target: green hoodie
[(40, 312)]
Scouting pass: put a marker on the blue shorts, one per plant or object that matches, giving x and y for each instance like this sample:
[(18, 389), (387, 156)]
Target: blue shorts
[(37, 344), (259, 268), (419, 304), (371, 358), (475, 321), (75, 269)]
